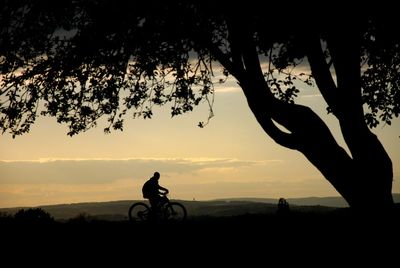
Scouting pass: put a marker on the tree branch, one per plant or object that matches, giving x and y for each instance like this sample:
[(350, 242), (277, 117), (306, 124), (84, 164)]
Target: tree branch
[(321, 73), (225, 61), (252, 82), (346, 60), (250, 56)]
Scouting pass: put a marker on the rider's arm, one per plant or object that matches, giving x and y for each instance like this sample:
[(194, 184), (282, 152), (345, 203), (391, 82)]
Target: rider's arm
[(163, 189)]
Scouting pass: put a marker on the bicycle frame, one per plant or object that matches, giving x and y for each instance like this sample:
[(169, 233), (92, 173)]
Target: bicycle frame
[(167, 211)]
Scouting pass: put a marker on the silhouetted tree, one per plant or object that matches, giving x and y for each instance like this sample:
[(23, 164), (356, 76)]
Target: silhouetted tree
[(81, 60), (283, 207), (5, 218), (33, 215), (81, 218)]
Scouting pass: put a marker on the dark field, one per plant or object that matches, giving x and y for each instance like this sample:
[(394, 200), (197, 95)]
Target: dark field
[(304, 236)]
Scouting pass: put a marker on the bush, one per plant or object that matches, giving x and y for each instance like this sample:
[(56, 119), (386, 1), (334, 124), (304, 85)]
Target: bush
[(81, 218), (33, 215), (5, 217)]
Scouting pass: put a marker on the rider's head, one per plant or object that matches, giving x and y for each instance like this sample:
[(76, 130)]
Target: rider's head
[(156, 175)]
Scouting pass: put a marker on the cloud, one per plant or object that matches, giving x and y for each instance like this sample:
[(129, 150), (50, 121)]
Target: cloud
[(228, 89), (53, 181), (102, 171), (42, 194), (311, 96)]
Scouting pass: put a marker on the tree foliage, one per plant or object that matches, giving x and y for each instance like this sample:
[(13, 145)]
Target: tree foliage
[(33, 216), (89, 59), (82, 60)]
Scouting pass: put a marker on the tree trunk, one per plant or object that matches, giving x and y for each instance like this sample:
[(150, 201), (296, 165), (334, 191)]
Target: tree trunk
[(368, 176), (364, 182), (364, 179)]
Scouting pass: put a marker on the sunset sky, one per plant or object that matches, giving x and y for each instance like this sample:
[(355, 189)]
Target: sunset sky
[(230, 157)]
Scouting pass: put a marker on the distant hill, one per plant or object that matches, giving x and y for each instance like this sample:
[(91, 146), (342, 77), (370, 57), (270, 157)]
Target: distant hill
[(330, 201), (118, 210)]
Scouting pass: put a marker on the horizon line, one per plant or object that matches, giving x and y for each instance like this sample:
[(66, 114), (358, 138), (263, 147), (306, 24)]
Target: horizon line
[(188, 200)]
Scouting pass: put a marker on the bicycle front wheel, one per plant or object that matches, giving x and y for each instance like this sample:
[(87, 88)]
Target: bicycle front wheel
[(139, 212), (176, 212)]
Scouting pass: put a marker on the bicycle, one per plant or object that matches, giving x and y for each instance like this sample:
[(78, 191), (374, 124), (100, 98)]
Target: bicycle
[(169, 211)]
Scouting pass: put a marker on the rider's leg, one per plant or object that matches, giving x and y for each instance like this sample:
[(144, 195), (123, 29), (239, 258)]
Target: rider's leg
[(163, 200), (155, 203)]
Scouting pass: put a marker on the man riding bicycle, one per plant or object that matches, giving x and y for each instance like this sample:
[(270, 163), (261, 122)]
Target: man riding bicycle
[(154, 192)]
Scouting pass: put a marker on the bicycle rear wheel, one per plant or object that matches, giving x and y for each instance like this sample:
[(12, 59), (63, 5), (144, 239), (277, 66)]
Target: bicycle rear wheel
[(139, 212), (175, 211)]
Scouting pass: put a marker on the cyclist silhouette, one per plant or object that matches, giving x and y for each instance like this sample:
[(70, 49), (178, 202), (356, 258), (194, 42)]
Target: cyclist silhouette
[(161, 207), (154, 192)]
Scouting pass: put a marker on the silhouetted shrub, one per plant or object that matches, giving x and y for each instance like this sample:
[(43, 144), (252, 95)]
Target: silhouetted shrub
[(283, 206), (81, 218), (5, 217), (33, 215)]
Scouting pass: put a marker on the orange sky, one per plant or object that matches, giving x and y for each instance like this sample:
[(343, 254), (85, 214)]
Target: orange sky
[(230, 157)]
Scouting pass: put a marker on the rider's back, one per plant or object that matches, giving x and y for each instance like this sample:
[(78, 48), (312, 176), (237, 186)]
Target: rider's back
[(149, 188)]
